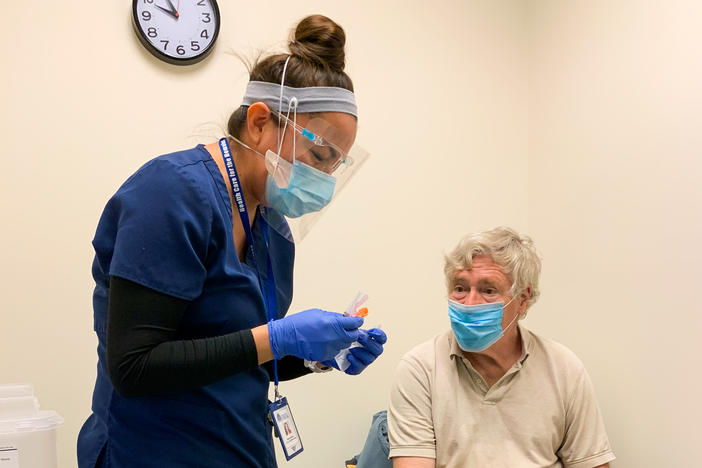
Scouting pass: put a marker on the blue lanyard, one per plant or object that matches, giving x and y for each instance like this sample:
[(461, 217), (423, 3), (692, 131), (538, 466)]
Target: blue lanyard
[(269, 291)]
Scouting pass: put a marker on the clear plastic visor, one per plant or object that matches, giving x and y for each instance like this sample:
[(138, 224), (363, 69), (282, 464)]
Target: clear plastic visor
[(301, 226), (312, 144)]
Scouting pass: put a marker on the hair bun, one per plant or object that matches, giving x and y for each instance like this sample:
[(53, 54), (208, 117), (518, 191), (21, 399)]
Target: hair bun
[(319, 40)]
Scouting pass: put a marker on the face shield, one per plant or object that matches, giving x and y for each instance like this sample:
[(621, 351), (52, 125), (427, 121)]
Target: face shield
[(310, 167), (307, 173), (357, 156)]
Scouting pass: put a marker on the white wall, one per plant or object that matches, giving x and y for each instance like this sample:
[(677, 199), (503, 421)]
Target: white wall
[(572, 121), (442, 96), (615, 116)]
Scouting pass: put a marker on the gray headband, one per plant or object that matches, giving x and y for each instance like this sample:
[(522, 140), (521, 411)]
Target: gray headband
[(313, 99)]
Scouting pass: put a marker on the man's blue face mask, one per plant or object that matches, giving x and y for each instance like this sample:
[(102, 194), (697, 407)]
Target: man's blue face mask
[(477, 327)]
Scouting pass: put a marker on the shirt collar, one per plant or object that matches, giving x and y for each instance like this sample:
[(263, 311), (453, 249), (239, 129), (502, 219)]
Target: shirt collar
[(526, 343)]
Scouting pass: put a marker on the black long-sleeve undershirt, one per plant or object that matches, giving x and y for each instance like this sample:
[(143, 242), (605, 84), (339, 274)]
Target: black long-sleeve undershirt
[(146, 357)]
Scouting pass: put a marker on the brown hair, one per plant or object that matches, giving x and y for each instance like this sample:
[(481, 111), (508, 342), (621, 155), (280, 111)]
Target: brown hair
[(317, 58)]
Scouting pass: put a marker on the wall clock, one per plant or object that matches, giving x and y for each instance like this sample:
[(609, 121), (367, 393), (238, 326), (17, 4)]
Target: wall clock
[(181, 32)]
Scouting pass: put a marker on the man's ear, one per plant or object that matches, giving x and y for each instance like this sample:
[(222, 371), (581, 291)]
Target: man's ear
[(257, 116), (524, 298)]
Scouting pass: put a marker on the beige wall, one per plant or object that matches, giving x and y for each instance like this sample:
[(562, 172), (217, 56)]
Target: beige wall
[(615, 118), (573, 121)]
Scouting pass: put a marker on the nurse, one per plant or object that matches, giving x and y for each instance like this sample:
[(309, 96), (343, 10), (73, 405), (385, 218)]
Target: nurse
[(193, 274)]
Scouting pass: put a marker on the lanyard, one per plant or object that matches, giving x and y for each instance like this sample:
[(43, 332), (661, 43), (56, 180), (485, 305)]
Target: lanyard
[(269, 291)]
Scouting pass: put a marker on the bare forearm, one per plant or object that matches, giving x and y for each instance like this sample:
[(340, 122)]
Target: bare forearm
[(263, 344), (413, 462)]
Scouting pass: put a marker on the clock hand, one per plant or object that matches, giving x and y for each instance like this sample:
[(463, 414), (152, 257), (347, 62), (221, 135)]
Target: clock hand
[(174, 9), (169, 12)]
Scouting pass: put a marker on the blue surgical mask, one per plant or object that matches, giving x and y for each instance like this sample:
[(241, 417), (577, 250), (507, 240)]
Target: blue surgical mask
[(477, 327), (296, 189)]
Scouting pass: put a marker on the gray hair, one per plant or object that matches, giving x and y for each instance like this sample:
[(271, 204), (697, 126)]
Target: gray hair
[(514, 254)]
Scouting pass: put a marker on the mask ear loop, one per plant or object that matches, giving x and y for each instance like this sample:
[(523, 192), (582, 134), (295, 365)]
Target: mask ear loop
[(280, 104), (511, 323), (515, 317), (293, 105)]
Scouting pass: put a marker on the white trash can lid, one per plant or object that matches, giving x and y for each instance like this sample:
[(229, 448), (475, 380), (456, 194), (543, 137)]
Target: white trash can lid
[(19, 411), (43, 421)]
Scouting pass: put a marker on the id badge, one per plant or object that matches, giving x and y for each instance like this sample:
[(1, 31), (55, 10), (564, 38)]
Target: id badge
[(285, 427)]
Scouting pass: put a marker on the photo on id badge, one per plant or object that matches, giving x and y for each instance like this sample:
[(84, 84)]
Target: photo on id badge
[(285, 428)]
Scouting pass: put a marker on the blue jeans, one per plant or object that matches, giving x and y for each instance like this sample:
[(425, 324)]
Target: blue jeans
[(377, 447)]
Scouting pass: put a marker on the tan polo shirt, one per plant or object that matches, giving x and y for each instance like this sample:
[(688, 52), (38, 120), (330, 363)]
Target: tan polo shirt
[(542, 413)]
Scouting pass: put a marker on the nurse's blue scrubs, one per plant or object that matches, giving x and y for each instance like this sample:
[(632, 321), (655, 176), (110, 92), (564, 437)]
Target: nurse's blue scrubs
[(169, 228)]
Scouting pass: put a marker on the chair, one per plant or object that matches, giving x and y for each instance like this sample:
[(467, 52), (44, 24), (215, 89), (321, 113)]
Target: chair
[(376, 448)]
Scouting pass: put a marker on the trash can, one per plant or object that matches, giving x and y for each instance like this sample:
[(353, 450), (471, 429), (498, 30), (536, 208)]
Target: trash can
[(27, 435)]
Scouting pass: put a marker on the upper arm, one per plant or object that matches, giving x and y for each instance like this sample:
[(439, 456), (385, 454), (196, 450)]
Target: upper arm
[(413, 462), (410, 421), (585, 436), (157, 228)]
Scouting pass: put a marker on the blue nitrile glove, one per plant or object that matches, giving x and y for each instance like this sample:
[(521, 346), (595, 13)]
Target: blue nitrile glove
[(360, 357), (315, 335)]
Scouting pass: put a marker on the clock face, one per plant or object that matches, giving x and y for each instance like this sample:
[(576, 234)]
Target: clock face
[(181, 32)]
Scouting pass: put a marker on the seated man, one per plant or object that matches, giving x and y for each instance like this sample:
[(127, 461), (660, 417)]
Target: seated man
[(489, 392)]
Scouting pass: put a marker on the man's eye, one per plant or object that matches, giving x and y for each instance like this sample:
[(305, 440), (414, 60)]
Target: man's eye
[(458, 293), (490, 291)]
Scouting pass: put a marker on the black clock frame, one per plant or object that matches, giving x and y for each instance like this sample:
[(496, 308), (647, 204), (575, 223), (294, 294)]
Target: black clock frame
[(165, 57)]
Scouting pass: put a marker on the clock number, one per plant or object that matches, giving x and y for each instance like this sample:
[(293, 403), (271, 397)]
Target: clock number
[(206, 18), (148, 1), (194, 46), (165, 44), (151, 32), (146, 15), (200, 3), (180, 50), (205, 34)]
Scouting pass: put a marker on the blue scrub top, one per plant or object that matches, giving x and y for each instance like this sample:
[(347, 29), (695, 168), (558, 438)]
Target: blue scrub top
[(169, 228)]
